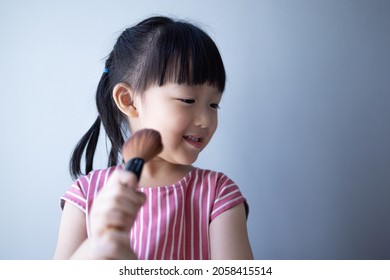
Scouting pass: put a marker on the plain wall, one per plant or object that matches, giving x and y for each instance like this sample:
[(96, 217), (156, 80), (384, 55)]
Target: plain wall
[(304, 125)]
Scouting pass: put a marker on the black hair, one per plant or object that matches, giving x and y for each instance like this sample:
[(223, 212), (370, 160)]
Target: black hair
[(156, 51)]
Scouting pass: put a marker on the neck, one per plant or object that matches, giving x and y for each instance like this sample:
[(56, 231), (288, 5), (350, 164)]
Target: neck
[(159, 172)]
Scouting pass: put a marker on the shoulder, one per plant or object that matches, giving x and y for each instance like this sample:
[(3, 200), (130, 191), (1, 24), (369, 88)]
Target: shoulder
[(217, 179), (226, 193), (215, 176), (95, 179), (86, 187), (218, 183)]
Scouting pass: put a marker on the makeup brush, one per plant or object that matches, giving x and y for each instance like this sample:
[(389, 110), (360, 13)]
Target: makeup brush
[(141, 147)]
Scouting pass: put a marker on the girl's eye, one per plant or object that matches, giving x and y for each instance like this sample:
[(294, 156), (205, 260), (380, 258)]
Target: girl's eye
[(188, 101), (215, 106)]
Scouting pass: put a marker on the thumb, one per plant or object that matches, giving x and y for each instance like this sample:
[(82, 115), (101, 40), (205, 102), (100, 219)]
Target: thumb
[(128, 179)]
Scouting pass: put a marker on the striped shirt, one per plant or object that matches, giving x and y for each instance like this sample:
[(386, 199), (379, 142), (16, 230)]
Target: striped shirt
[(174, 221)]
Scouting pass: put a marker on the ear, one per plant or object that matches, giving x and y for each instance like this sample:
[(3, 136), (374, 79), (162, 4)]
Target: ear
[(123, 97)]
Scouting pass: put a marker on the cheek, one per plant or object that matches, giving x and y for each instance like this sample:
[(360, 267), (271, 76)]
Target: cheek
[(171, 127), (154, 117), (214, 123)]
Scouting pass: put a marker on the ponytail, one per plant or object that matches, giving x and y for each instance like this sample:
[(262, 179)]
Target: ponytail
[(88, 142), (111, 118)]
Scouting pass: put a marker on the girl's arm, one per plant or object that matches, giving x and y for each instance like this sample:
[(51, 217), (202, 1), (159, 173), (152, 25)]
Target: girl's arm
[(229, 235), (72, 233), (111, 217), (73, 242)]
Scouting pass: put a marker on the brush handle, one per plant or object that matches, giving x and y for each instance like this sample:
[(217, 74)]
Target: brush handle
[(135, 165)]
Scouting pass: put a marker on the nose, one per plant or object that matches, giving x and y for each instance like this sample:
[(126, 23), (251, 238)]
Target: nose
[(204, 118)]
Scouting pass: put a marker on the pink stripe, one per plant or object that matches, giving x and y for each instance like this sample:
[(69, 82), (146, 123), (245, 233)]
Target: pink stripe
[(174, 230), (157, 213), (166, 225), (193, 218), (140, 240), (181, 233)]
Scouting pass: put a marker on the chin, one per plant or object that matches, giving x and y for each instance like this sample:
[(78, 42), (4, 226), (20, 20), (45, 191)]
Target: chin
[(188, 160), (183, 159)]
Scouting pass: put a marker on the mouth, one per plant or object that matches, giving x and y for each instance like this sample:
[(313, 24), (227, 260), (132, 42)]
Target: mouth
[(194, 141)]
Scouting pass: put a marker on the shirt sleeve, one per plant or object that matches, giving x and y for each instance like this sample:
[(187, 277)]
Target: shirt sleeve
[(228, 195), (76, 194)]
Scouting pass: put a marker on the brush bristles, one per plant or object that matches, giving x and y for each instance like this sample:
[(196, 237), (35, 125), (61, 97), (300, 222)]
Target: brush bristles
[(145, 144)]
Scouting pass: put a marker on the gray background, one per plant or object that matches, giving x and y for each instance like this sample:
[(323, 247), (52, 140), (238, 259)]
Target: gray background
[(304, 125)]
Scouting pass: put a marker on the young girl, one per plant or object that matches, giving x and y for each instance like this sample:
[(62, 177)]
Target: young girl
[(169, 76)]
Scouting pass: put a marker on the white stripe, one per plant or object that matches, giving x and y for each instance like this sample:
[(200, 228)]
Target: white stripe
[(167, 220), (141, 219), (76, 196), (181, 232), (158, 223), (226, 195), (223, 177), (78, 187), (97, 184), (133, 234), (89, 177), (200, 217), (208, 207), (87, 224), (192, 203), (149, 225), (106, 176), (94, 196), (174, 222), (227, 186), (226, 204), (82, 186)]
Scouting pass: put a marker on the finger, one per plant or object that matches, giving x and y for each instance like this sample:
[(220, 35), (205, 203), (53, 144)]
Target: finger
[(117, 196), (128, 179), (124, 195), (120, 199), (128, 204), (122, 219), (141, 198)]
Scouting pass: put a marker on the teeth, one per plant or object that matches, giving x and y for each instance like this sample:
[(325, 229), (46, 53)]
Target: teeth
[(192, 138)]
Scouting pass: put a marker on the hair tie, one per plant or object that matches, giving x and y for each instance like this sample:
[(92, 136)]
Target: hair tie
[(106, 70)]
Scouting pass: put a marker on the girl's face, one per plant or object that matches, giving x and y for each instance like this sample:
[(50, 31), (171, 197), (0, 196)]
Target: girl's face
[(186, 116)]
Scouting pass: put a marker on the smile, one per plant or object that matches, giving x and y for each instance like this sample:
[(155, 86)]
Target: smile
[(194, 141)]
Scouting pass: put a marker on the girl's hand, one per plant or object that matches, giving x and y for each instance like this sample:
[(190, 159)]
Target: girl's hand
[(112, 216)]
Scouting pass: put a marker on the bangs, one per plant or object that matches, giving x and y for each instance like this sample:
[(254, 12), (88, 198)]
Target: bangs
[(182, 53)]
